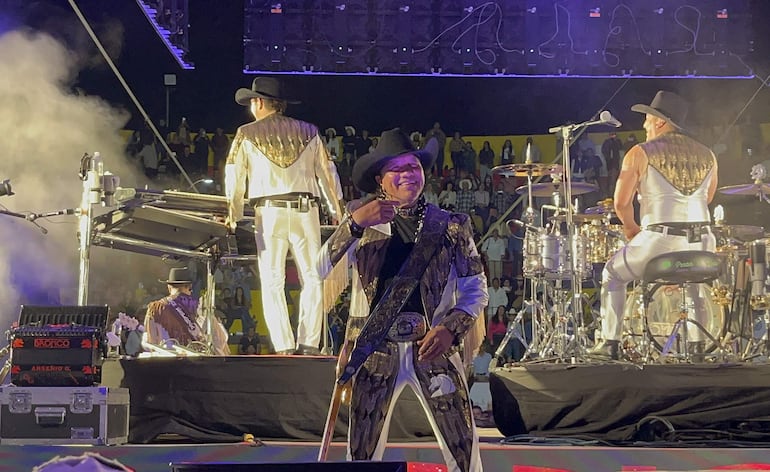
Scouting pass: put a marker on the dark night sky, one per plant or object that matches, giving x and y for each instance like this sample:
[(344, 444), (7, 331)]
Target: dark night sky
[(475, 106)]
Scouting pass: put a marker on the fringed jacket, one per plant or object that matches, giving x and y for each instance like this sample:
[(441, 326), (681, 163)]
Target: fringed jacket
[(453, 289)]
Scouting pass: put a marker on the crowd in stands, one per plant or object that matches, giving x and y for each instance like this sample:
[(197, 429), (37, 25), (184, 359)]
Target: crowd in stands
[(173, 15), (201, 154), (462, 180)]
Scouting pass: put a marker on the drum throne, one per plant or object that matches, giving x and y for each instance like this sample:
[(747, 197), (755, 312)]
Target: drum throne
[(683, 269)]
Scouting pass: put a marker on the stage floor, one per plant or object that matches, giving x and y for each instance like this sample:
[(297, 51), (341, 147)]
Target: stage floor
[(496, 457), (549, 417)]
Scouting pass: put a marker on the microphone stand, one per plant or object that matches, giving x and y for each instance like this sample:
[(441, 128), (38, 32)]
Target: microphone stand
[(91, 169), (31, 217), (514, 330), (566, 132)]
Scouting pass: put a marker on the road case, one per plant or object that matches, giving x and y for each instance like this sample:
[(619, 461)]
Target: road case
[(63, 415)]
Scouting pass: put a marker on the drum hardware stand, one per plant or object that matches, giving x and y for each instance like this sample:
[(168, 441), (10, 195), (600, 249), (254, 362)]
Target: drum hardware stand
[(537, 311), (529, 218), (646, 335), (681, 326), (539, 329), (760, 347), (559, 341), (589, 301), (734, 303), (760, 300), (515, 330)]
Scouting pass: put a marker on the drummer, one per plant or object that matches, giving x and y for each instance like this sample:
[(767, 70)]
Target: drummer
[(675, 178)]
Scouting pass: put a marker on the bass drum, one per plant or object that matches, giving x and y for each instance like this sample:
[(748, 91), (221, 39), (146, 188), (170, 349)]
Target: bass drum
[(663, 313)]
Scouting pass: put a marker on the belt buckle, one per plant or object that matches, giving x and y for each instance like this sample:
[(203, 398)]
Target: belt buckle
[(694, 235), (407, 327), (304, 204)]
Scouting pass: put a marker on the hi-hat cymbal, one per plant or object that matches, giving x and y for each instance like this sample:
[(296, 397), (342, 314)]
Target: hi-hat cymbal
[(604, 207), (547, 189), (533, 169), (746, 189)]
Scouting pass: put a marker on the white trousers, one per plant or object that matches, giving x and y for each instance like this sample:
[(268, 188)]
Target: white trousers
[(408, 377), (628, 264), (276, 231), (495, 270)]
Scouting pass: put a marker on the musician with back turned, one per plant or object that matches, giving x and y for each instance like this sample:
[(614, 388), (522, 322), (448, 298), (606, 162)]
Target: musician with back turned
[(289, 173), (675, 178), (418, 292)]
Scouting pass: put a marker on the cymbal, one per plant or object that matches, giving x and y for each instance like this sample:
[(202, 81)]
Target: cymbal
[(604, 207), (534, 169), (746, 189), (547, 189)]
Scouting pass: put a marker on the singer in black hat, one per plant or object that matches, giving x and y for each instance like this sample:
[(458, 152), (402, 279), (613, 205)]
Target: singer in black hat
[(418, 275)]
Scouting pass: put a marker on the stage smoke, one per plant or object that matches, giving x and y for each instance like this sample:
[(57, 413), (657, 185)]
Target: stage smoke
[(47, 128)]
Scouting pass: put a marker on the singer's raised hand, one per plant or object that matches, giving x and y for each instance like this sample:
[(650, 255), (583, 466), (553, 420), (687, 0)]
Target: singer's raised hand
[(375, 212)]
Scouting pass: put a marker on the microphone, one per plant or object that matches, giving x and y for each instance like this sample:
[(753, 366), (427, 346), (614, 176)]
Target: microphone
[(123, 194), (553, 207), (34, 216), (522, 224), (607, 118), (5, 188), (758, 267)]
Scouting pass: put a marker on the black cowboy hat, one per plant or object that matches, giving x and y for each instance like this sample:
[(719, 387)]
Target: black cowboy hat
[(392, 143), (668, 106), (262, 87), (179, 275)]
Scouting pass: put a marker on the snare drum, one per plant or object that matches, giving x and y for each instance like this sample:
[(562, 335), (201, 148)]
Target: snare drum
[(602, 241), (556, 257)]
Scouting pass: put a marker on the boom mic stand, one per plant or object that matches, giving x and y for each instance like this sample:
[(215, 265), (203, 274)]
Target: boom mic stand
[(566, 133)]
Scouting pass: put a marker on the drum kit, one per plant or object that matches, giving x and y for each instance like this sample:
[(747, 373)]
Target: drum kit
[(557, 257), (571, 248)]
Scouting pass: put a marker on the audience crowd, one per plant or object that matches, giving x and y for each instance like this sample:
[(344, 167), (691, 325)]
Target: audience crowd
[(462, 180)]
